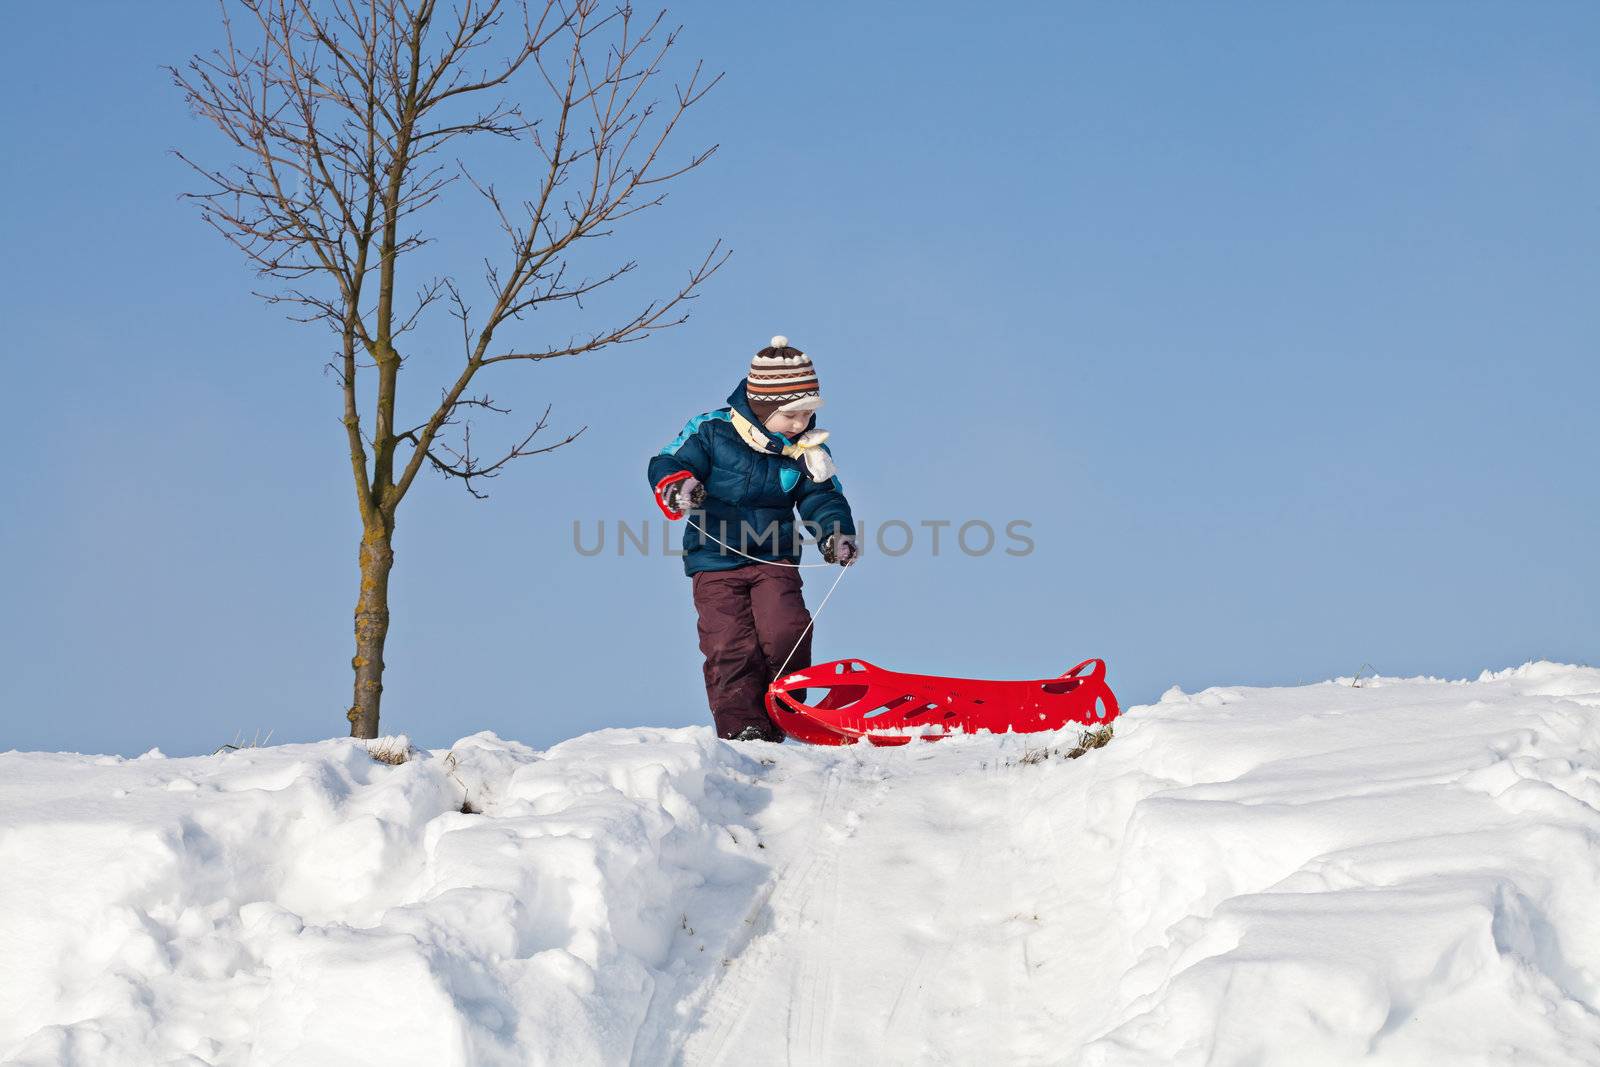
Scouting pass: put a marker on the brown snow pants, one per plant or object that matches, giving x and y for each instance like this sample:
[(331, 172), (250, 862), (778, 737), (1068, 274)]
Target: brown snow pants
[(750, 618)]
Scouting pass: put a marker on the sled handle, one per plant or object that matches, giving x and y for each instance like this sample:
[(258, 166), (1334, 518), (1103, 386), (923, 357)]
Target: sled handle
[(1096, 680), (1096, 675)]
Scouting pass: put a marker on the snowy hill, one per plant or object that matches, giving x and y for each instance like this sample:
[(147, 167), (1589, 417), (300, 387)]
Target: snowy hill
[(1402, 872)]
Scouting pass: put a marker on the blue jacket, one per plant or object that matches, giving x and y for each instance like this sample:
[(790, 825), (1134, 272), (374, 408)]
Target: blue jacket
[(751, 496)]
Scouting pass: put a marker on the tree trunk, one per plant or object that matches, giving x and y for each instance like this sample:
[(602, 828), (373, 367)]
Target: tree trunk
[(372, 627)]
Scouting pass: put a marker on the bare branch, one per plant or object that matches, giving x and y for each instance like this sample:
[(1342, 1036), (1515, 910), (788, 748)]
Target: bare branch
[(462, 463), (336, 115)]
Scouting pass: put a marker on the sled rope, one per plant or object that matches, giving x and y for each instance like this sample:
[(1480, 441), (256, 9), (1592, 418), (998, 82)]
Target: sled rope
[(813, 622), (780, 563), (746, 555)]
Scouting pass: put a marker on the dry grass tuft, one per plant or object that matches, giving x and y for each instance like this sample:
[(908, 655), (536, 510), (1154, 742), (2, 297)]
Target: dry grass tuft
[(391, 750), (1099, 737), (467, 806), (1096, 737), (238, 742)]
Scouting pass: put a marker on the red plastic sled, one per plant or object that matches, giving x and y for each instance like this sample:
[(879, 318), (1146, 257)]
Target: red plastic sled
[(860, 700)]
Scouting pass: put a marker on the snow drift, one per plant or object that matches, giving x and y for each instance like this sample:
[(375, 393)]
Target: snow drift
[(1397, 872)]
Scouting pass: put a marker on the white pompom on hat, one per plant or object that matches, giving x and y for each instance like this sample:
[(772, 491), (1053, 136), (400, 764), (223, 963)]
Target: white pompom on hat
[(782, 379)]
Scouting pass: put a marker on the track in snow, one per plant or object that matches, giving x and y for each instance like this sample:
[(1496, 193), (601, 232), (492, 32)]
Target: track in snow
[(919, 918)]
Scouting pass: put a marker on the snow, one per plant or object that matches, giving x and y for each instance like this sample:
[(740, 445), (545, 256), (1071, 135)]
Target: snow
[(1391, 871)]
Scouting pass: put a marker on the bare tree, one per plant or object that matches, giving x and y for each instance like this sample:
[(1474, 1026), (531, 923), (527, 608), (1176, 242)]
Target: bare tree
[(345, 120)]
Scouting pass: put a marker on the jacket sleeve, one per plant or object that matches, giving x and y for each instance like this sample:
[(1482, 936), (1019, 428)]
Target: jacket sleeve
[(822, 504), (688, 454)]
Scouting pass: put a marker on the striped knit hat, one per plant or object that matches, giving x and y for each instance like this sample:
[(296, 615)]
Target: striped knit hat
[(781, 379)]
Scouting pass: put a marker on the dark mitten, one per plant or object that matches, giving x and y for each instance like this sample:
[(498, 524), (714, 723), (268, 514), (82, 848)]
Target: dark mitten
[(685, 495), (841, 548)]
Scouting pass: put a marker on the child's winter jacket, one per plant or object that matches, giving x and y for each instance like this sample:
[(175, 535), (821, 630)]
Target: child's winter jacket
[(751, 495)]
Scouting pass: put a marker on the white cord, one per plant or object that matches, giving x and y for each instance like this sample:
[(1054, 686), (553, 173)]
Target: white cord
[(779, 563), (813, 622), (746, 555)]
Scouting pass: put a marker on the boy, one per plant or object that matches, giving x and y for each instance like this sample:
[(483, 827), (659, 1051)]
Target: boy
[(739, 473)]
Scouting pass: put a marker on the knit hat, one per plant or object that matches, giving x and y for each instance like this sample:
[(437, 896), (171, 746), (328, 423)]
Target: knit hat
[(781, 379)]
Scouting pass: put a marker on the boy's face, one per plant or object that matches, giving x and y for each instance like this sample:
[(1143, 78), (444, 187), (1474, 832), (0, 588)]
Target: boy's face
[(787, 423)]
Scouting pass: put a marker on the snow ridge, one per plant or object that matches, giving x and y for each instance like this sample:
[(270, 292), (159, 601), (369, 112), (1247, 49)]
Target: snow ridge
[(1361, 871)]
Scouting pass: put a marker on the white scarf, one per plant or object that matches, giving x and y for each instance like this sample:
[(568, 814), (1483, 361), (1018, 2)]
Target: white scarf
[(807, 447)]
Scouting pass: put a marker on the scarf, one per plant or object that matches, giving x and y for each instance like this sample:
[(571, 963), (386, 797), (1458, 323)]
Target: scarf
[(807, 447)]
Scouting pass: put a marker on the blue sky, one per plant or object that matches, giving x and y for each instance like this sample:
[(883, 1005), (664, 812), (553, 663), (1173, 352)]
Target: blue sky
[(1276, 322)]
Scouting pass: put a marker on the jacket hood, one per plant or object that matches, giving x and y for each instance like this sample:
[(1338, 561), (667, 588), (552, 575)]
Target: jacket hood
[(741, 403)]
